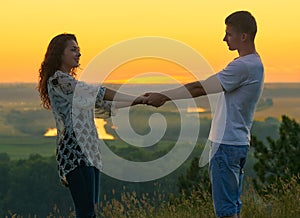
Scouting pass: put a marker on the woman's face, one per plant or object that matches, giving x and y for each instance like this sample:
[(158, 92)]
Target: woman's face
[(70, 57)]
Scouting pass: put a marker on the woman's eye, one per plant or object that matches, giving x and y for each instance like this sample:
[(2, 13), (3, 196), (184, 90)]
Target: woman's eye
[(75, 49)]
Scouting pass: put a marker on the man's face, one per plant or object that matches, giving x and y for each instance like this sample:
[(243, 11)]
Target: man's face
[(232, 38)]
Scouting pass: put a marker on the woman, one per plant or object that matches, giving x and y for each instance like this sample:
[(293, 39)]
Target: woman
[(72, 103)]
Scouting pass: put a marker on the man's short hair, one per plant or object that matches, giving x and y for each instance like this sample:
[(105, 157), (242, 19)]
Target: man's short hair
[(243, 22)]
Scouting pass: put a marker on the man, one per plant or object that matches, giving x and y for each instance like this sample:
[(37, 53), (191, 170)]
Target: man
[(240, 85)]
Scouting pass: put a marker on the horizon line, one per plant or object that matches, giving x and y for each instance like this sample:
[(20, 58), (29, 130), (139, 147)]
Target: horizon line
[(8, 83)]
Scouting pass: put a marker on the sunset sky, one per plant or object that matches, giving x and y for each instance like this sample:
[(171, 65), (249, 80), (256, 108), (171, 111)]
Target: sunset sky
[(28, 26)]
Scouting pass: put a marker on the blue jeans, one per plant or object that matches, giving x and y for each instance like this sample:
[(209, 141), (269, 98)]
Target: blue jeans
[(84, 185), (226, 172)]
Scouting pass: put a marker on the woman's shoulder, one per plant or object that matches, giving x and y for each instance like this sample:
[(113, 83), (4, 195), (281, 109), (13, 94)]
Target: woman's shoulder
[(60, 77), (62, 81)]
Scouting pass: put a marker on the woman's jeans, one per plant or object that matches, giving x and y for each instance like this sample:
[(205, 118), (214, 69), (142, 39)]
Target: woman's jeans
[(84, 185)]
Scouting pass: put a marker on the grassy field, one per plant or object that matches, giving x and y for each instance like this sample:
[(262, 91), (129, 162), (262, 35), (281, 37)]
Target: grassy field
[(281, 106), (281, 202), (22, 147)]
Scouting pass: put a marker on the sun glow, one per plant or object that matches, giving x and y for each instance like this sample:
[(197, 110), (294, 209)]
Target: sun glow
[(101, 24), (195, 110), (51, 132), (149, 71), (100, 123)]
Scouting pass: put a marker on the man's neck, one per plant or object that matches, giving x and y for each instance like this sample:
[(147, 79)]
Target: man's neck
[(250, 49)]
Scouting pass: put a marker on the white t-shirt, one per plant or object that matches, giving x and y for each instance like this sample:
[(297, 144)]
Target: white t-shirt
[(242, 81)]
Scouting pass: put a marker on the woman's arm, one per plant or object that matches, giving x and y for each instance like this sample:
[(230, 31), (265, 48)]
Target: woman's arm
[(111, 95), (121, 100)]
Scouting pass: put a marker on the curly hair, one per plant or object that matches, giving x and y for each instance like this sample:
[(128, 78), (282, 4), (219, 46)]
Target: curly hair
[(52, 62)]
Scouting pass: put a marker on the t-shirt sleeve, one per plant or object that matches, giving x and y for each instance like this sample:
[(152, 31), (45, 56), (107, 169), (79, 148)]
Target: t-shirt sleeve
[(81, 94), (233, 76)]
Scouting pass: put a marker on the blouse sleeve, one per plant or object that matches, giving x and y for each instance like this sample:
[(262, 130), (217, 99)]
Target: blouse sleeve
[(81, 94), (103, 109)]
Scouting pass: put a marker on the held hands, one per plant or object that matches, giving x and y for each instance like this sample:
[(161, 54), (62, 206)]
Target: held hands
[(152, 98)]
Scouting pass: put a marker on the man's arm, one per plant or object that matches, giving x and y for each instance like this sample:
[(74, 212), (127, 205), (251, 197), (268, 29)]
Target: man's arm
[(191, 90)]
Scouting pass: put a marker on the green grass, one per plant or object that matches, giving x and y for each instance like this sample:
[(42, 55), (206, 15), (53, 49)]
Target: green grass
[(282, 202), (22, 147)]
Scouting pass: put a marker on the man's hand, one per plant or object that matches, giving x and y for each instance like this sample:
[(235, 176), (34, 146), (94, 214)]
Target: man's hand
[(155, 99)]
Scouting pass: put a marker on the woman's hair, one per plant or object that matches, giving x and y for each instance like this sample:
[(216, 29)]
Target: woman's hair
[(52, 62)]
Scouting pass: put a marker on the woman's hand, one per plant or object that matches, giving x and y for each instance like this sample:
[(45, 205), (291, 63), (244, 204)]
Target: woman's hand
[(139, 100)]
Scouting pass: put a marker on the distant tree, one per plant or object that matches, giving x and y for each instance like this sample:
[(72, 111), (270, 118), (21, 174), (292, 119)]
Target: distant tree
[(4, 179), (31, 122), (280, 158), (264, 103), (33, 187), (266, 128), (195, 178)]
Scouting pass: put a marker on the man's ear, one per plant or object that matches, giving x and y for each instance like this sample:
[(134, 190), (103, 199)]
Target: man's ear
[(244, 37)]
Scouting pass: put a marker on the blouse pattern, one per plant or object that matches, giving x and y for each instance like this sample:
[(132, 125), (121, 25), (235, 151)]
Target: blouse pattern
[(73, 105)]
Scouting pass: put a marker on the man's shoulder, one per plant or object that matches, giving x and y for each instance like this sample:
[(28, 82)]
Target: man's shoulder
[(246, 62), (251, 58)]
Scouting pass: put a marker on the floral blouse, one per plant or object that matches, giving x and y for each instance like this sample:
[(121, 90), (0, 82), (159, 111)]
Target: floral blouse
[(73, 105)]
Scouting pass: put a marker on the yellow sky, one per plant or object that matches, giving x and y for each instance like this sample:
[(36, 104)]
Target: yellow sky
[(28, 26)]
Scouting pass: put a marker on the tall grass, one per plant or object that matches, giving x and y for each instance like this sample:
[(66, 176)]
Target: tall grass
[(280, 200), (196, 205)]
